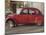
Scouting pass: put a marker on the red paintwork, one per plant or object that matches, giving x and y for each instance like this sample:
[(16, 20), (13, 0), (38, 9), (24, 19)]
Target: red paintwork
[(26, 19)]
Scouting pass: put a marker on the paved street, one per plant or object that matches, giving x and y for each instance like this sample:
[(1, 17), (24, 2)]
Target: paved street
[(24, 29)]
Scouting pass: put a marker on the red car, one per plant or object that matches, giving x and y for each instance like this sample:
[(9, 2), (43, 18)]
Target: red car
[(26, 16)]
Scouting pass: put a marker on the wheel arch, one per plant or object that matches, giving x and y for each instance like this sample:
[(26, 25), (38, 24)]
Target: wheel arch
[(10, 19)]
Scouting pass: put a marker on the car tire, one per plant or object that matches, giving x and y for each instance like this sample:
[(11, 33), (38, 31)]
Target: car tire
[(10, 23)]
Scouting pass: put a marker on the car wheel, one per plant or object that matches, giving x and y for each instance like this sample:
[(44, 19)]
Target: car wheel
[(10, 24)]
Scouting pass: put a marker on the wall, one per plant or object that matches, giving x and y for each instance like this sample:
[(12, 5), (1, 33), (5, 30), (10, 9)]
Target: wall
[(40, 6)]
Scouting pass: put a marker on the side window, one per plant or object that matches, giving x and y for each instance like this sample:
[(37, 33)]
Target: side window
[(31, 12), (25, 11), (37, 12)]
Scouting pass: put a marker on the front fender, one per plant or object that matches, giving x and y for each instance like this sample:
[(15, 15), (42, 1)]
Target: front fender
[(10, 17)]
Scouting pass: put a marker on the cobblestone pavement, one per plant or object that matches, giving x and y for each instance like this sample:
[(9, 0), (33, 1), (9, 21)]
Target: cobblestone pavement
[(24, 29)]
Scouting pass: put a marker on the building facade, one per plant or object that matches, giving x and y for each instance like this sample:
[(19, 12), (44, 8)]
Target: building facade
[(13, 4)]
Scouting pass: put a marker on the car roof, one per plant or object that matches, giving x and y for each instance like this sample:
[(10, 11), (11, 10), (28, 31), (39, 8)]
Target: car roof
[(31, 8)]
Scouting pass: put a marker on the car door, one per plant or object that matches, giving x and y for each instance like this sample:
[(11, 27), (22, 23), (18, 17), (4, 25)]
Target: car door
[(31, 16), (22, 17)]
